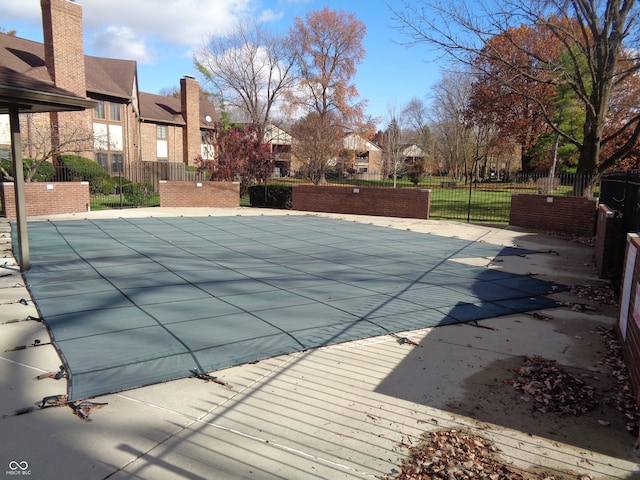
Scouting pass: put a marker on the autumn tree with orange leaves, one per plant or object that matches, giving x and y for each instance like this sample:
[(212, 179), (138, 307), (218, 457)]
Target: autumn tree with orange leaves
[(502, 97), (328, 46), (594, 53)]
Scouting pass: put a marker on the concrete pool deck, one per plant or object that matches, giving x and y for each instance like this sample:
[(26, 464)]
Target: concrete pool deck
[(340, 411)]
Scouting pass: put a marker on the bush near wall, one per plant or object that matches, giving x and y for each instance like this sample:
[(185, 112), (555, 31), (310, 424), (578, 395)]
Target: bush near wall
[(79, 169), (272, 196), (45, 172)]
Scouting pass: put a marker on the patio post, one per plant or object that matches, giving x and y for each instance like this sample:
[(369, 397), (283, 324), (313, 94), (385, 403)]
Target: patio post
[(18, 179)]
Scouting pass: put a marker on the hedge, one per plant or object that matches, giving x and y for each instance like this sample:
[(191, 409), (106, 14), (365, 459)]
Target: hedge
[(273, 196)]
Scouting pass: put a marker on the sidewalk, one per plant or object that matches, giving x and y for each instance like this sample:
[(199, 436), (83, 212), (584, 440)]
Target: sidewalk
[(328, 413)]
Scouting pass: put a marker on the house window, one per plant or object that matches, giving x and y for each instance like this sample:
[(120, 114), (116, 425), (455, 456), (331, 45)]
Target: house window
[(114, 111), (162, 131), (112, 163), (116, 163), (98, 111), (103, 160)]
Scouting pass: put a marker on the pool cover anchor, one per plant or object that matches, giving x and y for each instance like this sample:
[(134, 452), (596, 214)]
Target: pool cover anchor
[(80, 408), (404, 340), (36, 343), (210, 378), (61, 373), (29, 318)]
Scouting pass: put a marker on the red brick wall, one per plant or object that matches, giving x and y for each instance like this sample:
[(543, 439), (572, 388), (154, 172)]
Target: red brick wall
[(604, 240), (190, 104), (64, 58), (199, 194), (386, 202), (64, 51), (42, 198), (573, 215), (628, 327), (149, 143)]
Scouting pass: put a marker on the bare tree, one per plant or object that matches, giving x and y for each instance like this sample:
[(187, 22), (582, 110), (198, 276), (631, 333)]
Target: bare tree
[(249, 70), (317, 144), (599, 39), (393, 144), (416, 117), (40, 145), (454, 135)]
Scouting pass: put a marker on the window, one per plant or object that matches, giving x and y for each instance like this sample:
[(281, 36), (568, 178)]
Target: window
[(98, 111), (112, 163), (162, 131), (103, 160), (116, 163), (114, 111)]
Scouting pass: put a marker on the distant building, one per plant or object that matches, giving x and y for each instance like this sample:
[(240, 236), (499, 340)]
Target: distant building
[(413, 153), (280, 142), (364, 156), (128, 126)]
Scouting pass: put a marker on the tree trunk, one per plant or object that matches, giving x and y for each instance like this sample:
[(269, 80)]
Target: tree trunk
[(588, 160)]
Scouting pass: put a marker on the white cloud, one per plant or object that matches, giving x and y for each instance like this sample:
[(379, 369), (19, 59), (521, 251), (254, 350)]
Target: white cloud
[(269, 15), (121, 42), (23, 9), (176, 22), (149, 31)]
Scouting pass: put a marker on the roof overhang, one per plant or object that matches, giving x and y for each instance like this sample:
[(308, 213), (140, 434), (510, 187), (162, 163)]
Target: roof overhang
[(32, 101), (21, 94)]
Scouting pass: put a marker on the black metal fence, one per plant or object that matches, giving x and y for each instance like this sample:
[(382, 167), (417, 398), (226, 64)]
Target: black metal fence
[(129, 185), (620, 191), (458, 199)]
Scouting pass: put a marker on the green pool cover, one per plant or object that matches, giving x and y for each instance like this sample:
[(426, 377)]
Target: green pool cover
[(132, 302)]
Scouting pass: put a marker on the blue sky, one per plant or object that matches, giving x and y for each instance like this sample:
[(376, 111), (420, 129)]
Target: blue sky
[(161, 35)]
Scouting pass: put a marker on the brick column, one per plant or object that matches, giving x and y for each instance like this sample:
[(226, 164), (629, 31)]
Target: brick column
[(190, 105)]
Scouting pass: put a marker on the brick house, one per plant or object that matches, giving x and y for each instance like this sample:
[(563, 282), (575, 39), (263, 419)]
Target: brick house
[(127, 126), (364, 156)]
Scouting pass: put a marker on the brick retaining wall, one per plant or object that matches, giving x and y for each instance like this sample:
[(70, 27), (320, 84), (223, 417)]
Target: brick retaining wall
[(606, 231), (572, 215), (386, 202), (629, 314), (46, 198), (199, 194)]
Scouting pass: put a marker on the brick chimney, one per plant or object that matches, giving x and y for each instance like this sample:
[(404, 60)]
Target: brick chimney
[(190, 106), (64, 52), (64, 58)]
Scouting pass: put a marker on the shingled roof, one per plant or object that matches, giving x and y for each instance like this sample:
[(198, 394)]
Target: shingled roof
[(105, 76), (162, 109), (109, 77)]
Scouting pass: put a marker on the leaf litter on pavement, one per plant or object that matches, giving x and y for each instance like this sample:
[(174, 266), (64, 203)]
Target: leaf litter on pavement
[(452, 454)]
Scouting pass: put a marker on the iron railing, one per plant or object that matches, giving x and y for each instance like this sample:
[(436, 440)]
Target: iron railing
[(452, 198)]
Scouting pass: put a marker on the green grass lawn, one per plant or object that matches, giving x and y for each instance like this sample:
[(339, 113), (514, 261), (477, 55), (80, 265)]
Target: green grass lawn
[(106, 202), (475, 205)]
